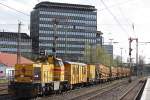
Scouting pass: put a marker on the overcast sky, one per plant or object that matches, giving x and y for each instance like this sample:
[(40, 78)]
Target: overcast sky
[(115, 21)]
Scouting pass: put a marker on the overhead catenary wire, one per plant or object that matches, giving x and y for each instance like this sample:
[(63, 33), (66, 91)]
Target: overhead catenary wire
[(14, 9), (39, 1), (126, 20), (117, 4), (89, 0), (21, 12), (115, 18)]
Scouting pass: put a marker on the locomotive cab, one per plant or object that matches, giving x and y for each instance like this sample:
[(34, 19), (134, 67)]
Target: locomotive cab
[(22, 83), (42, 77)]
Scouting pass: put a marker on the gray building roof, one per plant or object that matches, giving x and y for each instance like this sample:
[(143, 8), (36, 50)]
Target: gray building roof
[(64, 6), (14, 35)]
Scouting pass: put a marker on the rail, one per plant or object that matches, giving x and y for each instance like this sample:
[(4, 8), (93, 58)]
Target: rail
[(74, 94), (133, 92), (92, 94), (139, 94), (105, 91), (3, 88)]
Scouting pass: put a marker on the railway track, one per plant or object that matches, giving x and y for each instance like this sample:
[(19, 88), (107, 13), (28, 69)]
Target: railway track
[(133, 92), (108, 91), (103, 94), (114, 93), (3, 88), (3, 84), (87, 93), (4, 92)]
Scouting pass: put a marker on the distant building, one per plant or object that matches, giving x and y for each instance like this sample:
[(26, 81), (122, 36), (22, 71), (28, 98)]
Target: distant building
[(99, 38), (76, 27), (109, 49), (7, 63), (9, 59), (2, 71), (9, 42)]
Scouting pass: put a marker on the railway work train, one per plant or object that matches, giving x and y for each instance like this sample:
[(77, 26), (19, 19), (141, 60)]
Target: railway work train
[(50, 75)]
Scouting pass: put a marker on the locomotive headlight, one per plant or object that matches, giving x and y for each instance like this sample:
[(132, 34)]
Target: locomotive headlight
[(21, 75), (36, 76)]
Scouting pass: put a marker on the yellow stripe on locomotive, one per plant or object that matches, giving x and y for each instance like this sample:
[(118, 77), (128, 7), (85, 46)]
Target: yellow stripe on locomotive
[(23, 73), (59, 70)]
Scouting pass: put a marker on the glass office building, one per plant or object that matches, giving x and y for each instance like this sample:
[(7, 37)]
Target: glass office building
[(9, 43), (109, 49), (76, 27)]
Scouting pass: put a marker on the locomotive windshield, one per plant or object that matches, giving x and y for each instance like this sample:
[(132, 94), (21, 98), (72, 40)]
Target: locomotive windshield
[(37, 73), (58, 63)]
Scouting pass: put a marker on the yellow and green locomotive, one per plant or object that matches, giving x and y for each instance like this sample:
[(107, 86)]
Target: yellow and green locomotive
[(42, 77)]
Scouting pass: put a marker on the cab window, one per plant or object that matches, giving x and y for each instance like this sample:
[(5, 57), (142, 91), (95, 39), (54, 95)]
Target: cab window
[(37, 73), (59, 63)]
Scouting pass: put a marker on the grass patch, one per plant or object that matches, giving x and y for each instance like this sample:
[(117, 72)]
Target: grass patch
[(3, 81)]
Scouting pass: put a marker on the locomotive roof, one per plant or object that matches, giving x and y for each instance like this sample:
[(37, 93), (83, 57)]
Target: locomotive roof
[(69, 62), (58, 59)]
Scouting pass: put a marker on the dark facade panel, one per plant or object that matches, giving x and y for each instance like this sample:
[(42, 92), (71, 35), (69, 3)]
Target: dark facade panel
[(69, 30), (70, 17), (78, 21), (68, 36)]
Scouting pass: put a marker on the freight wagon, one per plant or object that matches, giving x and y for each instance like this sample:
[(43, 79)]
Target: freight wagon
[(114, 73), (103, 73), (75, 74), (50, 75), (91, 74)]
